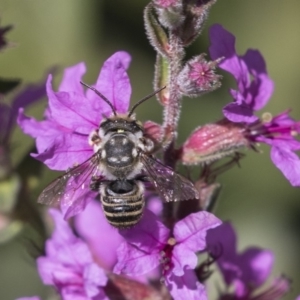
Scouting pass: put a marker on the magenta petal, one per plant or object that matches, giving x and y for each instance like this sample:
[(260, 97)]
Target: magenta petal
[(58, 148), (94, 277), (183, 257), (134, 261), (223, 45), (192, 230), (62, 233), (93, 273), (29, 95), (256, 265), (52, 272), (92, 225), (76, 199), (155, 205), (149, 235), (262, 87), (186, 287), (66, 151), (238, 113), (222, 236), (71, 110), (43, 131), (113, 82), (287, 162), (71, 79), (221, 243)]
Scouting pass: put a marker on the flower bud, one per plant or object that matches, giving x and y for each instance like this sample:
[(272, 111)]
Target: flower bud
[(213, 141), (153, 130), (156, 34), (198, 77), (169, 13), (195, 12), (208, 194)]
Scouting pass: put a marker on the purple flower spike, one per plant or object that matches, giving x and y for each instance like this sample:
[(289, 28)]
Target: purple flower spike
[(69, 266), (62, 138), (254, 91), (150, 244)]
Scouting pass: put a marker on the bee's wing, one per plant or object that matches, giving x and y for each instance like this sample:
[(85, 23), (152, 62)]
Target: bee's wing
[(170, 185), (71, 185)]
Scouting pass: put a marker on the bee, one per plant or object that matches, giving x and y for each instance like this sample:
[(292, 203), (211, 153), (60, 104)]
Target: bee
[(123, 161)]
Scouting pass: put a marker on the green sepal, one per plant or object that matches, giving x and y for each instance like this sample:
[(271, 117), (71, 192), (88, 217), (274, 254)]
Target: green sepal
[(161, 78), (156, 34)]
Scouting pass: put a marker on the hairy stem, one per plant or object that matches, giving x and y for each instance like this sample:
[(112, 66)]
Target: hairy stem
[(172, 108)]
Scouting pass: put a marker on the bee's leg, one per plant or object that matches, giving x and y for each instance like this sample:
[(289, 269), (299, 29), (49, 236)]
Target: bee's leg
[(143, 178), (96, 182)]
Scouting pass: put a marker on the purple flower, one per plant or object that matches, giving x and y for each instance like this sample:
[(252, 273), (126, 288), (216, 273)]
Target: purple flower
[(68, 265), (245, 271), (93, 227), (8, 114), (72, 115), (254, 89), (150, 245)]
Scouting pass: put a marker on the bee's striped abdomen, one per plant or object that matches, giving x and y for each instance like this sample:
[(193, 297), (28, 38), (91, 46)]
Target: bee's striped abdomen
[(123, 202)]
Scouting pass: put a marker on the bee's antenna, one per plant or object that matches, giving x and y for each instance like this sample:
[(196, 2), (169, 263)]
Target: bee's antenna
[(101, 96), (144, 99)]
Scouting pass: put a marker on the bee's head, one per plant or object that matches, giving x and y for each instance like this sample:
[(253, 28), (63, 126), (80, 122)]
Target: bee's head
[(121, 123)]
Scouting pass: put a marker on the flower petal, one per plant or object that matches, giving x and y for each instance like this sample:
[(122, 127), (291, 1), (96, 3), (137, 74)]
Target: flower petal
[(62, 234), (149, 235), (222, 244), (32, 93), (134, 261), (239, 113), (262, 87), (186, 286), (191, 231), (113, 82), (57, 147), (256, 265), (66, 151), (71, 79), (92, 225), (223, 45), (52, 272), (94, 277), (75, 199), (286, 161), (72, 110), (182, 257)]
